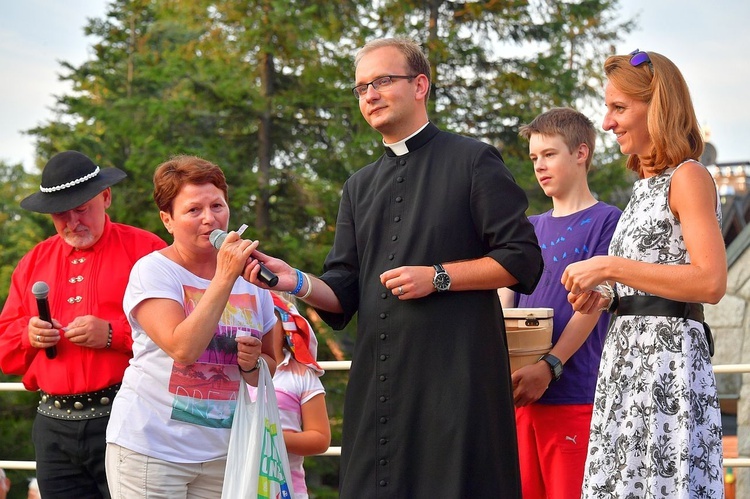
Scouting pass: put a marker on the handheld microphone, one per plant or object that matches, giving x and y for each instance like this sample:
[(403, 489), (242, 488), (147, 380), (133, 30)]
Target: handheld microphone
[(40, 290), (217, 239)]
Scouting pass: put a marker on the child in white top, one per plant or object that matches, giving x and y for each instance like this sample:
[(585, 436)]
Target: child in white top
[(300, 394)]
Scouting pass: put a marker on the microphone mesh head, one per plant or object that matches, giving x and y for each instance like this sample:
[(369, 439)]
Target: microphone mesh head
[(40, 289), (216, 238)]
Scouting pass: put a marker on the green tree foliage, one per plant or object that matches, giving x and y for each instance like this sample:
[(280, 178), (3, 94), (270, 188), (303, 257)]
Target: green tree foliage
[(21, 229), (256, 87), (499, 63)]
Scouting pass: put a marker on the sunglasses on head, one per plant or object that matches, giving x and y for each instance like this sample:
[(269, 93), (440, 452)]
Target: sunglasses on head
[(638, 57)]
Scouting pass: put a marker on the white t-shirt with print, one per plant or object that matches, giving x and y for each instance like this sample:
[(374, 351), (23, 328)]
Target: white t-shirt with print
[(176, 412)]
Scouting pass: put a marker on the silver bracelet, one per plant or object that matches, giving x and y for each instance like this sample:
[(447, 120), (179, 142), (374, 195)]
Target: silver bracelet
[(309, 287), (607, 291)]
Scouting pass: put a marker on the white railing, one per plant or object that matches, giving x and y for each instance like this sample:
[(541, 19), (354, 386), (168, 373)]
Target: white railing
[(740, 462)]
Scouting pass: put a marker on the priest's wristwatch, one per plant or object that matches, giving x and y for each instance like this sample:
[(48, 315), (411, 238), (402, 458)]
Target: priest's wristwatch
[(441, 281), (554, 364)]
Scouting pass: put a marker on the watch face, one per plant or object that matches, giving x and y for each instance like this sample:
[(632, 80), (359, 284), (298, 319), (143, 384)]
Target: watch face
[(442, 281), (555, 365)]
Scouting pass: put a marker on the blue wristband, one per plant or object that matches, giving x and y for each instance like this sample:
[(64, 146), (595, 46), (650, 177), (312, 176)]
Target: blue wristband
[(300, 281)]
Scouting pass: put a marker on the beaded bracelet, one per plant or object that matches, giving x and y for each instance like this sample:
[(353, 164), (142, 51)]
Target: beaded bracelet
[(300, 280), (109, 337), (309, 287)]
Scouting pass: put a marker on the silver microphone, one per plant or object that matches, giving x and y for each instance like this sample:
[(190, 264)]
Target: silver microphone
[(266, 276)]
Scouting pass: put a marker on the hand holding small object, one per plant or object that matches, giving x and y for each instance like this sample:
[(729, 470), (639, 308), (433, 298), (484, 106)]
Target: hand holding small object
[(266, 276), (606, 290)]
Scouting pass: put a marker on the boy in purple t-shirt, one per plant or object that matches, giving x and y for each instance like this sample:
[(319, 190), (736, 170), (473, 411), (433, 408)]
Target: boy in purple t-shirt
[(554, 397)]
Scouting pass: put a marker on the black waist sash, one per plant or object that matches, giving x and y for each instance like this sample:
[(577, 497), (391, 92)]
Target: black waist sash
[(663, 307)]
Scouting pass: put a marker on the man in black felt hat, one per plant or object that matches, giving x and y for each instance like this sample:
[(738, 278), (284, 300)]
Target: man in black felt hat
[(77, 360)]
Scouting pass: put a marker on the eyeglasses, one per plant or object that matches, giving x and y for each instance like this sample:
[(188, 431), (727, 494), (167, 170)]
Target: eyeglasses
[(638, 57), (378, 83)]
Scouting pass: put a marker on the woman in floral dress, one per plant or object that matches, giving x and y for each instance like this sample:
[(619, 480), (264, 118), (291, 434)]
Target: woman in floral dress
[(656, 428)]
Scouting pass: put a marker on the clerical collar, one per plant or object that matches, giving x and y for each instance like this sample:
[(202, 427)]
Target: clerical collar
[(400, 148)]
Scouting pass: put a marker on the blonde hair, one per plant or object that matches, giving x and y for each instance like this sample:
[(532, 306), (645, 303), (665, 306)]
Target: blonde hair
[(671, 121), (574, 128)]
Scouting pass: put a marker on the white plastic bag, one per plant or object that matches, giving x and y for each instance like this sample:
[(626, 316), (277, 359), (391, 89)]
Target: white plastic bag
[(257, 463)]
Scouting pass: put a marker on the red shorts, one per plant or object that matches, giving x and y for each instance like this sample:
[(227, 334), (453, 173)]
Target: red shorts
[(552, 446)]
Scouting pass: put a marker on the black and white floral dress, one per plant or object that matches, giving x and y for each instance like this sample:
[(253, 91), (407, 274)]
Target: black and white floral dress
[(656, 428)]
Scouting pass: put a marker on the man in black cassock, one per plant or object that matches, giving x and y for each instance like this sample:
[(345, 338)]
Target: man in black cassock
[(425, 235)]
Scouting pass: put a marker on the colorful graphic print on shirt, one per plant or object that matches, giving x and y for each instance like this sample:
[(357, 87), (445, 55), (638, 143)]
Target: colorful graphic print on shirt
[(205, 393)]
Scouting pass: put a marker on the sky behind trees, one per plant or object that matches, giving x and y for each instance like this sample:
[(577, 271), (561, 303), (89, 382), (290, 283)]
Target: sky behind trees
[(706, 40)]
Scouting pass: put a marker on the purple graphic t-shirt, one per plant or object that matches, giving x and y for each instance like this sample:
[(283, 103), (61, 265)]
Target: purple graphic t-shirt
[(565, 240)]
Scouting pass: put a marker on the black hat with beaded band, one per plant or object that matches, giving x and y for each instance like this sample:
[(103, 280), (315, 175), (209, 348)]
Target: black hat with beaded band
[(70, 179)]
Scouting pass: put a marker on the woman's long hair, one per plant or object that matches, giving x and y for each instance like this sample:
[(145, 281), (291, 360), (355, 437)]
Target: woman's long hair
[(672, 124)]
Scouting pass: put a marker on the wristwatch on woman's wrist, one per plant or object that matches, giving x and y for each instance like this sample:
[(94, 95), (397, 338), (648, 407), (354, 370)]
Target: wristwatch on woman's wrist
[(253, 369)]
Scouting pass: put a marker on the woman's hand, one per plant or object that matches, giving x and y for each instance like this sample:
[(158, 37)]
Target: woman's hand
[(232, 258), (585, 275), (588, 302), (248, 352)]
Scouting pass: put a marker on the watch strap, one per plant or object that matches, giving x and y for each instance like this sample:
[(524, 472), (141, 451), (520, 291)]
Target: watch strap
[(555, 365), (252, 369)]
